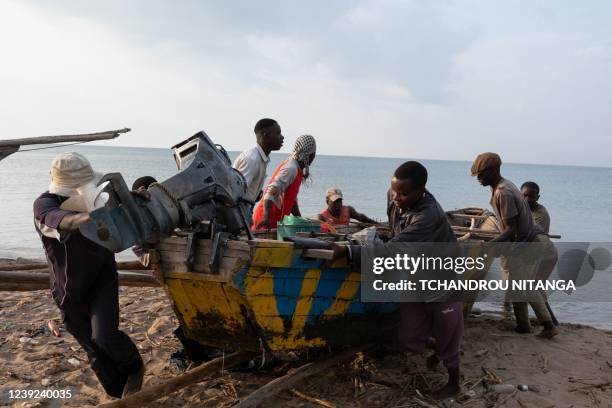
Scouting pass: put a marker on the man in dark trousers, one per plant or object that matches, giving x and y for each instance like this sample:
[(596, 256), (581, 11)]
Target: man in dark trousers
[(415, 216), (518, 225), (83, 278)]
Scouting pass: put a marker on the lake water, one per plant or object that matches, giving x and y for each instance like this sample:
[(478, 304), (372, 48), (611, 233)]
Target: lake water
[(579, 199)]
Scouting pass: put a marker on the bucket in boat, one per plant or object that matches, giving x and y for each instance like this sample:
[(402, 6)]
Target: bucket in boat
[(291, 225)]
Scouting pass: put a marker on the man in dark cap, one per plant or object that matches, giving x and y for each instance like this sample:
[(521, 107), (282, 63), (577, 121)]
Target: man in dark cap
[(517, 226)]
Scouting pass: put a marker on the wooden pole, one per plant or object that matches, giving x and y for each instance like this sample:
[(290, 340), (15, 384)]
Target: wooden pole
[(150, 394), (483, 232), (7, 151), (86, 137)]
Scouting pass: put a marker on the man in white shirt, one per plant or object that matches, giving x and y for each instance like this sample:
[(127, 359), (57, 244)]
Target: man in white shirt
[(252, 163)]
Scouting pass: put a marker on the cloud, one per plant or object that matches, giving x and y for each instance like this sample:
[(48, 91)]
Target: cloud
[(404, 79)]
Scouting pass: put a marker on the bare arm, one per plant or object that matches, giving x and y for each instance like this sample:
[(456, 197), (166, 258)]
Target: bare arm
[(72, 222), (296, 210), (360, 217), (267, 209), (509, 233)]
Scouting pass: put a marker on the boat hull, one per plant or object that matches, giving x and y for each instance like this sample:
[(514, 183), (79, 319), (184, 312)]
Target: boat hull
[(298, 306), (265, 295)]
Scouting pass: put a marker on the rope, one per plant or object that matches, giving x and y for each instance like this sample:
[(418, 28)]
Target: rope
[(49, 147), (175, 200)]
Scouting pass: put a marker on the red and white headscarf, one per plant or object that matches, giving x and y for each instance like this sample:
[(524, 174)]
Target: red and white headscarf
[(305, 145)]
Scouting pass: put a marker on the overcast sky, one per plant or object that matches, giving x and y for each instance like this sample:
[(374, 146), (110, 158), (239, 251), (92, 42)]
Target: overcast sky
[(531, 80)]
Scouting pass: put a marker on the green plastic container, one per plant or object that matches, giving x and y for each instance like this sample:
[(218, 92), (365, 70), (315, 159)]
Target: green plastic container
[(291, 225)]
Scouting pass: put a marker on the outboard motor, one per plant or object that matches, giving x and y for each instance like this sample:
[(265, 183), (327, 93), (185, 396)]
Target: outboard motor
[(206, 196)]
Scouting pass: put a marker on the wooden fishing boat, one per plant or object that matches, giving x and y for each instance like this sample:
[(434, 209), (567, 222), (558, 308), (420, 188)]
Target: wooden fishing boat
[(267, 295), (474, 223)]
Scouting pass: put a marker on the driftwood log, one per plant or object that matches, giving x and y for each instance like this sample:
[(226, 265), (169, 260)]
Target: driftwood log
[(294, 378), (149, 394), (18, 265), (39, 280), (316, 401)]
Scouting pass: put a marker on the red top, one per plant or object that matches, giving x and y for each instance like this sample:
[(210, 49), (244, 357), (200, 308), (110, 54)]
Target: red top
[(288, 201), (343, 219)]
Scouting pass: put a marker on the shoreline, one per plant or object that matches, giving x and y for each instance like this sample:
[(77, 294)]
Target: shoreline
[(579, 359)]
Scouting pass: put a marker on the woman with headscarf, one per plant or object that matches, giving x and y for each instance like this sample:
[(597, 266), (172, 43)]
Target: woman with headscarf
[(280, 195)]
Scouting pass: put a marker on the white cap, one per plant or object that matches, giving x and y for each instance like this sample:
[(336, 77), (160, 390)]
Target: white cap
[(69, 171)]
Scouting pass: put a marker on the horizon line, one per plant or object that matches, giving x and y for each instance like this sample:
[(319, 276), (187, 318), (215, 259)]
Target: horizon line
[(359, 156)]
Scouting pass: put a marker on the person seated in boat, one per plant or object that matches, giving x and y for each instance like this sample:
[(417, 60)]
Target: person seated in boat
[(84, 281), (514, 214), (338, 214), (280, 196), (253, 163), (531, 192), (416, 216)]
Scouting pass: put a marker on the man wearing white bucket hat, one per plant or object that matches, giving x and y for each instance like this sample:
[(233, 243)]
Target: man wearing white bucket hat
[(83, 278)]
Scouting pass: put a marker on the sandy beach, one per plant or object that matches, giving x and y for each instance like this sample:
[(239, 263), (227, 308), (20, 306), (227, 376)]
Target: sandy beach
[(573, 370)]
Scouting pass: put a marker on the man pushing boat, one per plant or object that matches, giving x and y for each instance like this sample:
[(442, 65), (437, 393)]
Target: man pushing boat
[(415, 216), (518, 225), (84, 281)]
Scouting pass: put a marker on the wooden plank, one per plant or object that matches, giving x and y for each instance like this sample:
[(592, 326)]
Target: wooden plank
[(294, 377), (149, 394), (181, 242), (272, 257), (86, 137), (226, 266), (270, 243), (173, 240), (227, 252), (475, 230), (318, 254), (195, 276), (477, 217)]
